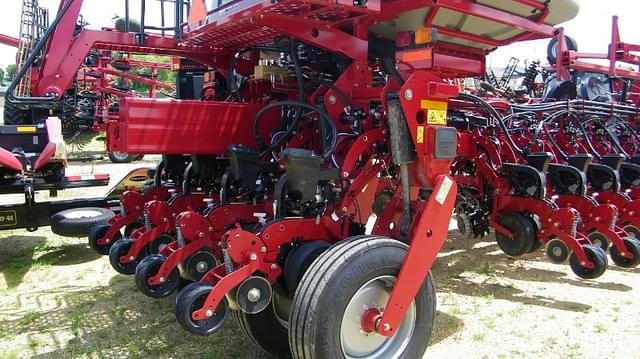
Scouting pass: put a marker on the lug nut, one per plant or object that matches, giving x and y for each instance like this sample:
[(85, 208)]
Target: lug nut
[(208, 313)]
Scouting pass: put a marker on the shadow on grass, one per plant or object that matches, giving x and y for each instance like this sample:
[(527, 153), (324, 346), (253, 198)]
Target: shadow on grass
[(17, 257), (449, 268)]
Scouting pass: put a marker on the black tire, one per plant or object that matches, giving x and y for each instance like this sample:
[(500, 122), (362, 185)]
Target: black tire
[(147, 268), (97, 232), (557, 251), (78, 222), (599, 240), (119, 249), (524, 234), (192, 298), (131, 227), (632, 230), (267, 329), (122, 157), (160, 242), (15, 116), (552, 48), (329, 285), (595, 254), (633, 246), (299, 260)]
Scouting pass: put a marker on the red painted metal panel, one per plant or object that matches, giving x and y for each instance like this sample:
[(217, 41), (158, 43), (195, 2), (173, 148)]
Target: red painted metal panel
[(164, 126)]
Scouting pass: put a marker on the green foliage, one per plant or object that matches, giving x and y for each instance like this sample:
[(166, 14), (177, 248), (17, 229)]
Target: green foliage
[(164, 75), (1, 76), (10, 72)]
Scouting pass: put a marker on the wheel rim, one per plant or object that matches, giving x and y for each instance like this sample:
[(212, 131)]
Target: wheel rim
[(358, 344), (83, 213), (120, 156)]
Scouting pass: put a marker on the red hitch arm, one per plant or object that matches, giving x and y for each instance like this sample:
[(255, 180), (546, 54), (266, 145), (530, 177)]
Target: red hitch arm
[(428, 238)]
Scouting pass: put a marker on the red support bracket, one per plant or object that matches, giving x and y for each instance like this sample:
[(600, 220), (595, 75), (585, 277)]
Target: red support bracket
[(428, 238)]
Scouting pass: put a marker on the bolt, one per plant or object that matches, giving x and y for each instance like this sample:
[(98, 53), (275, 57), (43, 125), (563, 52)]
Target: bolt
[(132, 258), (332, 99), (408, 94), (386, 327), (274, 266), (208, 313), (253, 257), (163, 279), (200, 234), (254, 295), (263, 249)]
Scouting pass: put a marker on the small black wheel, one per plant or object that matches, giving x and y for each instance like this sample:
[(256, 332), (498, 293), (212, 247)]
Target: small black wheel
[(77, 222), (524, 234), (596, 255), (464, 226), (633, 247), (599, 240), (299, 260), (352, 275), (552, 48), (199, 263), (557, 251), (96, 232), (269, 328), (192, 298), (632, 231), (121, 157), (149, 267), (131, 227), (160, 242), (119, 249)]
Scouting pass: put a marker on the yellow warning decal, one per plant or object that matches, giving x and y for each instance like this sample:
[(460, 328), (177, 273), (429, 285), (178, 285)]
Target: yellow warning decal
[(436, 111), (420, 135), (26, 129)]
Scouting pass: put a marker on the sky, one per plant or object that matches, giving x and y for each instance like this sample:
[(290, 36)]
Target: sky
[(591, 28)]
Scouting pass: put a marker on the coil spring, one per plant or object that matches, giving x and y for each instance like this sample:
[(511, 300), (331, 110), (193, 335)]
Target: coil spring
[(614, 219), (180, 237), (147, 221), (228, 264), (574, 226), (530, 75)]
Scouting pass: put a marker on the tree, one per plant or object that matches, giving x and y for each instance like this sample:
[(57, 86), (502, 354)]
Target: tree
[(10, 72), (1, 76)]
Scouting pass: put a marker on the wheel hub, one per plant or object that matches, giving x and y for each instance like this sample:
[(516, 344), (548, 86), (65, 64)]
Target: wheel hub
[(358, 341)]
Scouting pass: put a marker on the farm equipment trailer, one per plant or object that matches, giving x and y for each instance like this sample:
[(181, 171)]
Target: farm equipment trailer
[(319, 115)]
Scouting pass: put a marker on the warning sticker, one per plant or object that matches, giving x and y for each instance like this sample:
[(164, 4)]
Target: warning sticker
[(436, 111), (441, 196), (420, 135)]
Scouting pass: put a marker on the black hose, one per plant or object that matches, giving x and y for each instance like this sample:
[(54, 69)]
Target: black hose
[(328, 151), (389, 66), (484, 104), (31, 59), (343, 97)]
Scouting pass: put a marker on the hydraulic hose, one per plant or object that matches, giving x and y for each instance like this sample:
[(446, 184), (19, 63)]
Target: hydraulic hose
[(328, 123)]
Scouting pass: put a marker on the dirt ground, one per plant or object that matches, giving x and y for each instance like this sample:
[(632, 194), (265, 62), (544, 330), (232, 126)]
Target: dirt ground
[(58, 299)]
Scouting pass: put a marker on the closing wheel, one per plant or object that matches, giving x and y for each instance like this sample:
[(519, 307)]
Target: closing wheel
[(633, 247), (131, 227), (119, 249), (149, 267), (342, 283), (269, 328), (599, 240), (199, 263), (192, 298), (632, 231), (96, 232), (557, 251), (594, 254), (160, 242), (524, 234)]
